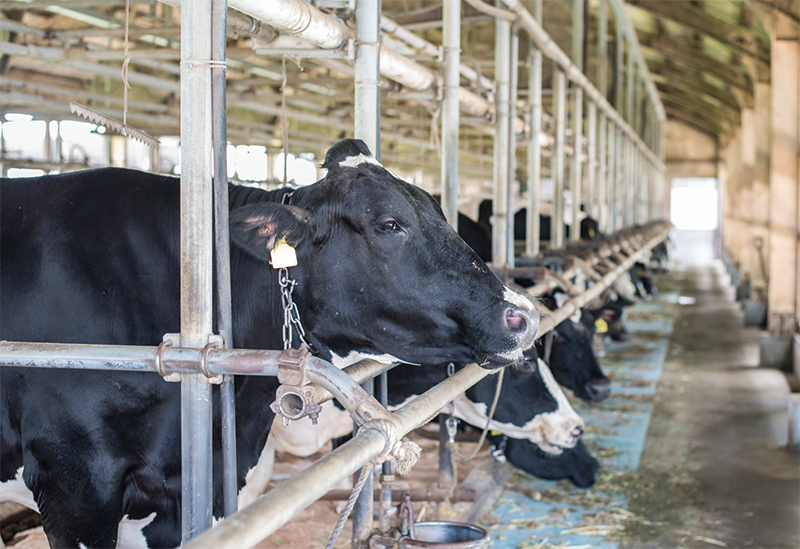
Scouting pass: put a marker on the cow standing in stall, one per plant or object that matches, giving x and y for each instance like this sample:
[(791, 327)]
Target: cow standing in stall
[(93, 257)]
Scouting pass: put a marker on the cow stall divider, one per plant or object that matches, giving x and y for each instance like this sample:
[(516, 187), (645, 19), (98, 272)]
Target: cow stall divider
[(380, 433)]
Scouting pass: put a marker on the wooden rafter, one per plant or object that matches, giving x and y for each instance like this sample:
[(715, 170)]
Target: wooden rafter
[(710, 129), (712, 125), (687, 14), (697, 104)]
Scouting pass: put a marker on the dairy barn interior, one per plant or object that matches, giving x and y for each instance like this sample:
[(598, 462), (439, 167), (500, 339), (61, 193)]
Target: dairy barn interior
[(662, 135)]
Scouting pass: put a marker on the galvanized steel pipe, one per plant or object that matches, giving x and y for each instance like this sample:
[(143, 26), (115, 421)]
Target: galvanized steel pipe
[(451, 41)]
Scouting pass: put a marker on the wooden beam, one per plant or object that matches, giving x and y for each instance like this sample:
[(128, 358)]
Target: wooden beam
[(711, 127), (737, 38), (692, 57), (693, 81), (697, 103)]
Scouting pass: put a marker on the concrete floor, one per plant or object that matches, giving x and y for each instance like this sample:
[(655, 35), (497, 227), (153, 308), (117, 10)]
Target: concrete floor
[(692, 441), (715, 463)]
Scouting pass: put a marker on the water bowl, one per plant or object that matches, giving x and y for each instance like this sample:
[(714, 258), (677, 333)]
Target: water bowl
[(446, 535)]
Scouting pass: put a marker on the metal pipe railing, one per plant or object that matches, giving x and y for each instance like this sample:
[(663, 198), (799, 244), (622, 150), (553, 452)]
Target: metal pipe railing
[(252, 524), (574, 74)]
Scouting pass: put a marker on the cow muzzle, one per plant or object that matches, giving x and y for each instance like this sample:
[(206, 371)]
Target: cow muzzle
[(520, 319)]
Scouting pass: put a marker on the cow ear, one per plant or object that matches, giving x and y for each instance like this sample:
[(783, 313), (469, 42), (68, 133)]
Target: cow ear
[(257, 227)]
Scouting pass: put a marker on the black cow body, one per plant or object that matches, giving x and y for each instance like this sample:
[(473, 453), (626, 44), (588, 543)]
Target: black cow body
[(588, 226), (93, 257), (572, 359)]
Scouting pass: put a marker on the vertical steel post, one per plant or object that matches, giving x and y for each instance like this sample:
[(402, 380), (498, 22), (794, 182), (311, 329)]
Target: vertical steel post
[(222, 266), (196, 263), (557, 170), (512, 144), (578, 12), (591, 162), (367, 74), (500, 202), (602, 175), (367, 128), (576, 171), (612, 167), (602, 49), (619, 78), (534, 145), (451, 41), (630, 86)]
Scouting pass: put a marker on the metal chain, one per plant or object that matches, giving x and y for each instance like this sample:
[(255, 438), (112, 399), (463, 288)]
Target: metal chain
[(291, 316)]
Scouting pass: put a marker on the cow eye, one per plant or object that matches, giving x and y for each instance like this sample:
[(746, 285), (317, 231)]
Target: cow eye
[(526, 365), (389, 226)]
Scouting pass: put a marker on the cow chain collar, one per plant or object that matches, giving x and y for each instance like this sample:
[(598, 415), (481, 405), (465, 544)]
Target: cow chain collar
[(291, 316)]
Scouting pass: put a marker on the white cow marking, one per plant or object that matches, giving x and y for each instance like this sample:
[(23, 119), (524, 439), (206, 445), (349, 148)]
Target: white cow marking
[(357, 160), (130, 535), (355, 356), (516, 299), (551, 431), (16, 491)]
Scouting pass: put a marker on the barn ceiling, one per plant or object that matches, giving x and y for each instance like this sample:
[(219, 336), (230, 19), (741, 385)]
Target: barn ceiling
[(703, 56)]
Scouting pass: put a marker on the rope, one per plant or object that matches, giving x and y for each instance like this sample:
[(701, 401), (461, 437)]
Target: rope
[(365, 472), (454, 447)]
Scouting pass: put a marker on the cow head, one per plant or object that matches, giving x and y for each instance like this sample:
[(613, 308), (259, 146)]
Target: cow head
[(576, 463), (380, 272), (531, 406), (572, 359)]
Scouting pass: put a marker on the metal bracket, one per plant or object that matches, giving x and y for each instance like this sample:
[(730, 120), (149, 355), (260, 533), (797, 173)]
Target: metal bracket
[(294, 399), (214, 341), (348, 52), (336, 4), (169, 340)]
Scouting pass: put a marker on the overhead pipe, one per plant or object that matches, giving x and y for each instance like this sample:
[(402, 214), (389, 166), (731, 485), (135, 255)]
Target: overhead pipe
[(240, 24), (303, 20)]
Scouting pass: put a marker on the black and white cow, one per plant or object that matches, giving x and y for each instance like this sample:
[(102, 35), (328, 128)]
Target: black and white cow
[(93, 257), (572, 358), (575, 464)]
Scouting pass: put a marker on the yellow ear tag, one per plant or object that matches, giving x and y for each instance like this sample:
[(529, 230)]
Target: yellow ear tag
[(282, 255), (591, 232), (495, 433), (601, 325)]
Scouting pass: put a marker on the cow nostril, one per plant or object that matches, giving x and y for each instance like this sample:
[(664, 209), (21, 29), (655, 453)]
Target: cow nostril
[(577, 431), (516, 321)]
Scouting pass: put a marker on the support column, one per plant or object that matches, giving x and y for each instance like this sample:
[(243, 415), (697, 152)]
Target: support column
[(196, 272), (783, 205), (502, 52), (557, 163), (534, 146), (367, 128), (761, 189), (451, 39)]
